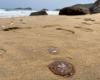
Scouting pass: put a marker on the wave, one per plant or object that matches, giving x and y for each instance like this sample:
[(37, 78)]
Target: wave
[(53, 12), (18, 13)]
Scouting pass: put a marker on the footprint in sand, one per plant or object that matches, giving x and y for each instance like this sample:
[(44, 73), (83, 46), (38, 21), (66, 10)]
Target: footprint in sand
[(86, 23), (84, 29), (77, 18), (60, 29), (89, 19), (70, 31), (6, 28), (10, 28), (49, 26)]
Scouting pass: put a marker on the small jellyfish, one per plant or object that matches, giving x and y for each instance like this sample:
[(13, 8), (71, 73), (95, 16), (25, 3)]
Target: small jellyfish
[(62, 68), (53, 50)]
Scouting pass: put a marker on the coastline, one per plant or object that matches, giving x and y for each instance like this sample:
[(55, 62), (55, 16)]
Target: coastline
[(21, 13)]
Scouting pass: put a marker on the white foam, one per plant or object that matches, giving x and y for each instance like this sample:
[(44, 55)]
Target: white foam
[(53, 12), (19, 13)]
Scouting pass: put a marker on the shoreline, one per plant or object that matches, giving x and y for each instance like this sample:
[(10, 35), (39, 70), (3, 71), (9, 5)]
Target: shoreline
[(22, 13)]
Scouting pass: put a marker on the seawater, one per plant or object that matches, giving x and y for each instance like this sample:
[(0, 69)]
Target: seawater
[(21, 13)]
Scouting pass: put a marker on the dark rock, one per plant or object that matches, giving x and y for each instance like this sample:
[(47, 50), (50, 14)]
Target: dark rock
[(95, 7), (74, 10), (28, 8), (62, 68), (57, 10), (42, 12)]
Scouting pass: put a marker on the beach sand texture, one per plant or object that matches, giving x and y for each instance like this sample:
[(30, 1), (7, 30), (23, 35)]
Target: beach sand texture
[(24, 44)]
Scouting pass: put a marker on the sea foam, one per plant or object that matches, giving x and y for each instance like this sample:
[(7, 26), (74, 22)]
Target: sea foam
[(20, 13)]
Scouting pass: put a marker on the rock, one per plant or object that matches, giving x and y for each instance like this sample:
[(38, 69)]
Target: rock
[(57, 10), (74, 10), (95, 7), (44, 9), (62, 68), (42, 12)]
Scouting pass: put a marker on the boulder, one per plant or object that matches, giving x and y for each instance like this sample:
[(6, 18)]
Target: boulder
[(42, 12), (74, 10), (95, 7)]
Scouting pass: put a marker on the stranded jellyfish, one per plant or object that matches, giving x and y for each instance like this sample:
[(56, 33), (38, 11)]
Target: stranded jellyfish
[(53, 50), (62, 68)]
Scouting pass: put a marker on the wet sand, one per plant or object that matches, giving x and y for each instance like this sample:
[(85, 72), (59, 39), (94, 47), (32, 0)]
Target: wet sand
[(24, 46)]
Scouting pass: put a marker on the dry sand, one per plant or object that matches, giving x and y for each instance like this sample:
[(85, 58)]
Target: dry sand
[(24, 52)]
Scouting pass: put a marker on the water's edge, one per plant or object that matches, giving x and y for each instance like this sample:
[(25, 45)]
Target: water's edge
[(19, 13)]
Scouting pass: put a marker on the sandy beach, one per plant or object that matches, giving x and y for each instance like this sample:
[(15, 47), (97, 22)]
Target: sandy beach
[(24, 44)]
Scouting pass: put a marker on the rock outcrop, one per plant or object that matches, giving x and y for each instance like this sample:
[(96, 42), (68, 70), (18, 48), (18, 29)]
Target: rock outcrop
[(74, 10), (95, 7), (42, 12)]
